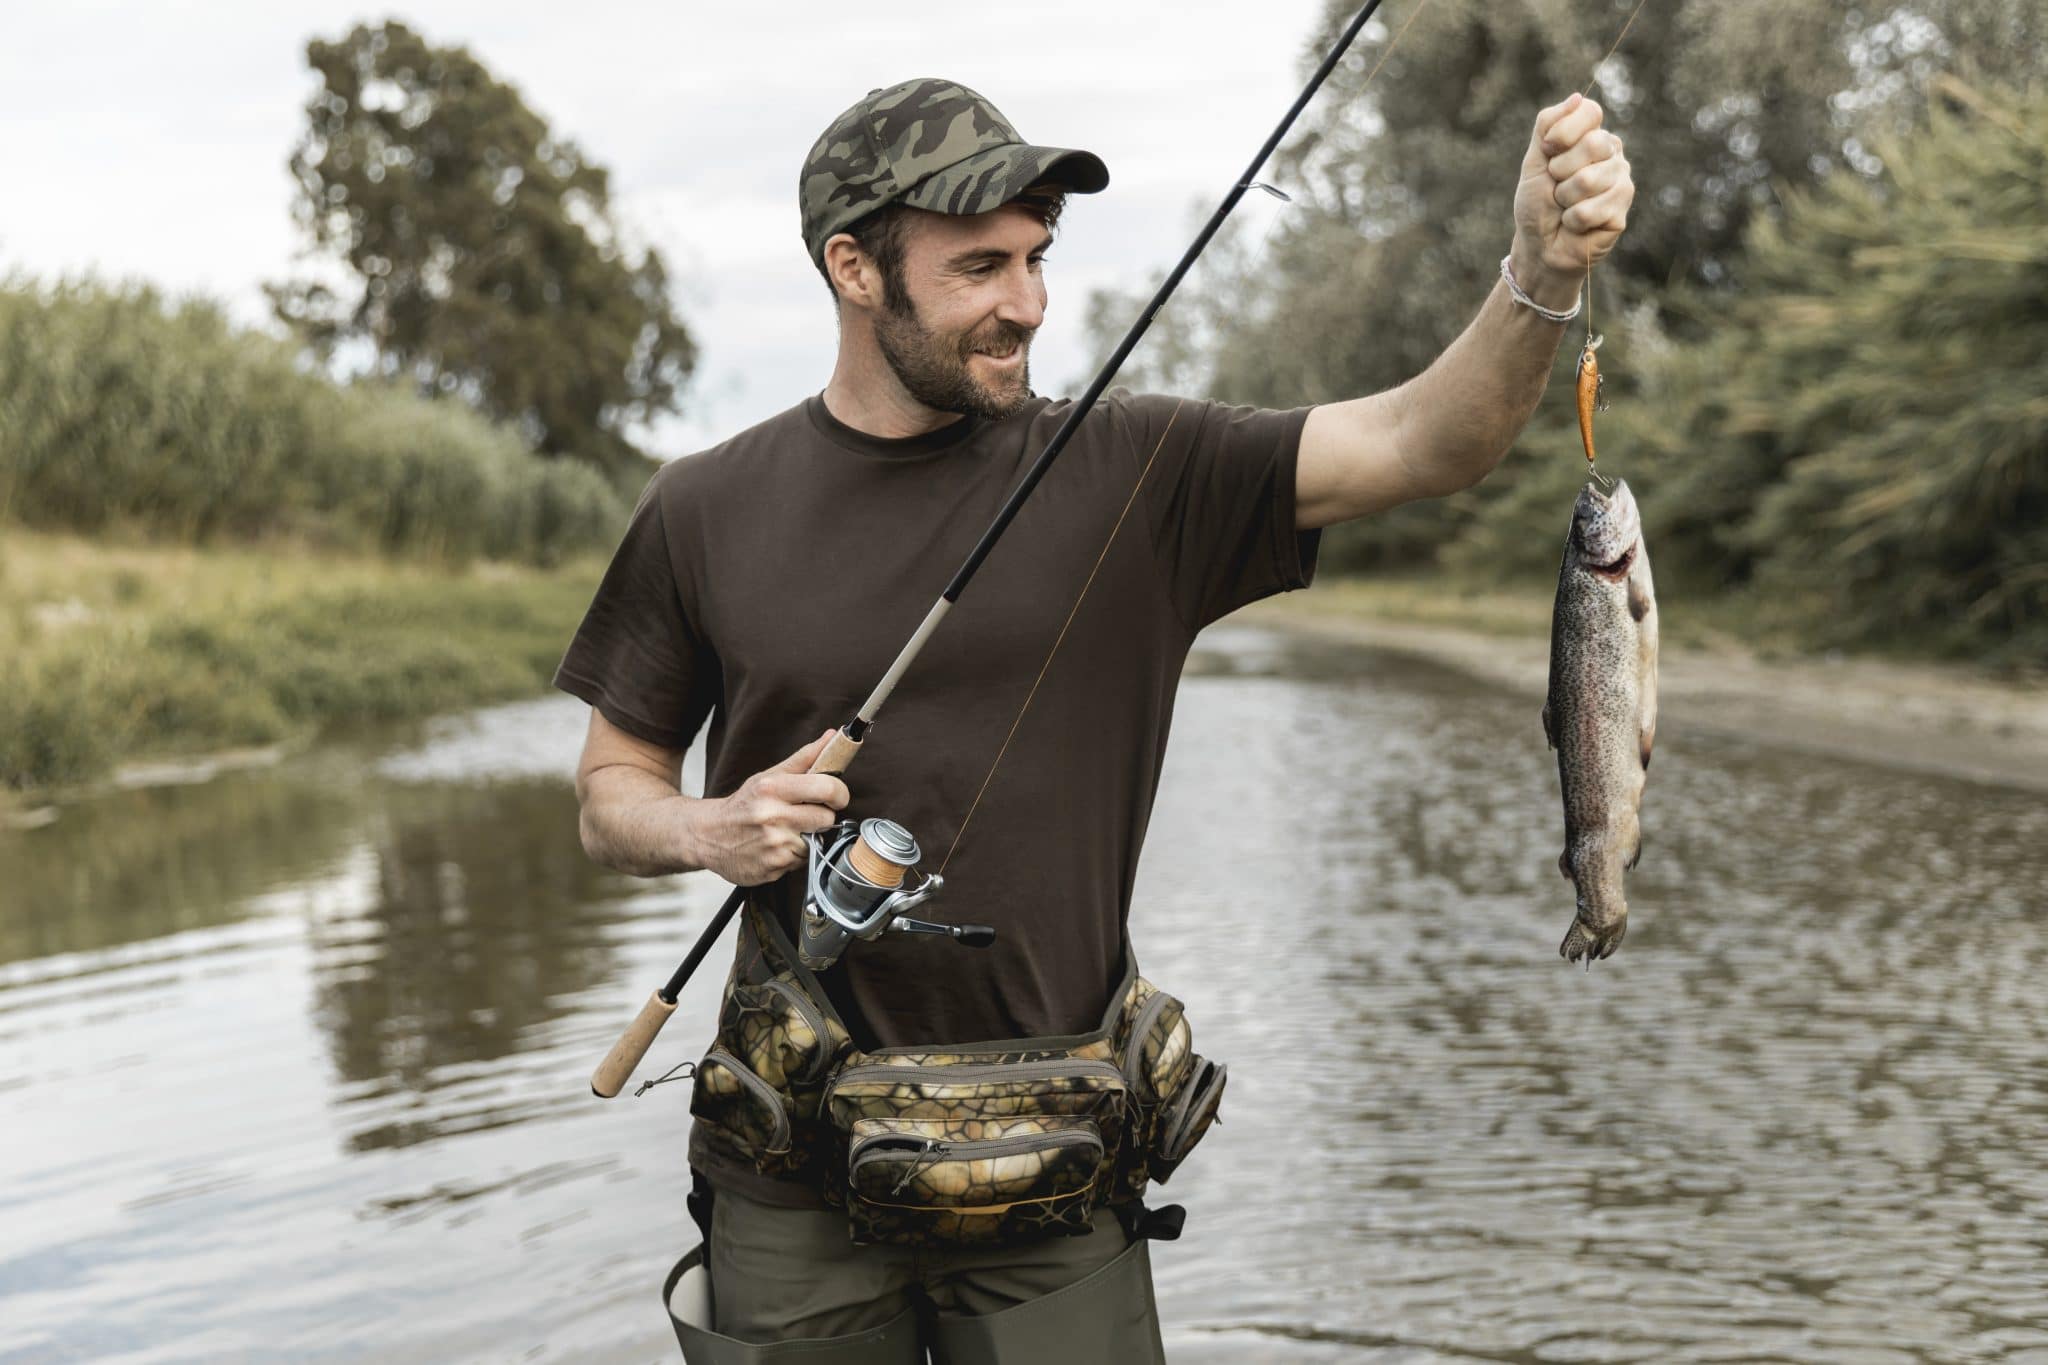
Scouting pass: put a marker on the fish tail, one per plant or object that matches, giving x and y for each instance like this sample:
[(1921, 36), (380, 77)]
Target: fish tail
[(1583, 941)]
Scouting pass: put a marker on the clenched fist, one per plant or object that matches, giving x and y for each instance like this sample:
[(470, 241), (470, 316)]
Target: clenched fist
[(1574, 196)]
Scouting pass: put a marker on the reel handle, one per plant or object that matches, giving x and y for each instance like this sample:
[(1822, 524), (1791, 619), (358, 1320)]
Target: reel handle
[(617, 1067), (967, 935)]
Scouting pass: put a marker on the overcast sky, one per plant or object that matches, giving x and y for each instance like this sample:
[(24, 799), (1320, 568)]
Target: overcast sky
[(150, 140)]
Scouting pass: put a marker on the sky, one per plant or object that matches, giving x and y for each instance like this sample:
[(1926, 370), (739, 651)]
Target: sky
[(150, 141)]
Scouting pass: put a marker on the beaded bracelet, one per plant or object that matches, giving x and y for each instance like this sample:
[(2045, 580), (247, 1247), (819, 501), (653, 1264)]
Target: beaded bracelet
[(1507, 275)]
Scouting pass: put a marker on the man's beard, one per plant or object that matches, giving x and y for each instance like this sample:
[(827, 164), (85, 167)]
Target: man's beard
[(932, 367)]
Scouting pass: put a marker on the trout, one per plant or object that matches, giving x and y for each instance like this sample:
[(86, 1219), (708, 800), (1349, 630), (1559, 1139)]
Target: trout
[(1601, 712)]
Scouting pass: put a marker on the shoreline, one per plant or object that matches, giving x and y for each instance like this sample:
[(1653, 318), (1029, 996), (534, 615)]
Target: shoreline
[(1942, 721)]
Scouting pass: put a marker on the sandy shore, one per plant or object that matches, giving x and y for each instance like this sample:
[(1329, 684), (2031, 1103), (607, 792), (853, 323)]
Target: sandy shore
[(1925, 718)]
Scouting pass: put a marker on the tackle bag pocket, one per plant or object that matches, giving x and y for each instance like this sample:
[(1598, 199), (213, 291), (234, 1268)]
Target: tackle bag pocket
[(1187, 1118), (974, 1098), (783, 1035), (744, 1115), (922, 1182), (1159, 1051)]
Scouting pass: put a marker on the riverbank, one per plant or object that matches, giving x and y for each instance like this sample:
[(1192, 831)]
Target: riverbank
[(1920, 717), (131, 662)]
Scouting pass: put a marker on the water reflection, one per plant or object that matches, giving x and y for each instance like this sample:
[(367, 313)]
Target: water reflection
[(145, 864), (486, 915)]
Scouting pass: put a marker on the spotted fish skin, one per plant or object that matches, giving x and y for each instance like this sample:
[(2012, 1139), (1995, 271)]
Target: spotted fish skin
[(1601, 711)]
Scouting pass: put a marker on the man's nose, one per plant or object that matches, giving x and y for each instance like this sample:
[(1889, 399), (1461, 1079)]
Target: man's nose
[(1023, 301)]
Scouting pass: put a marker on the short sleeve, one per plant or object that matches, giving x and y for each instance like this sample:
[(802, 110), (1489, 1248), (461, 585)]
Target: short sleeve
[(637, 657), (1220, 496)]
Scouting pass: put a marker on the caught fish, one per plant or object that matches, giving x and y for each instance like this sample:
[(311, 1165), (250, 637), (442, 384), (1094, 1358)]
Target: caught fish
[(1589, 387), (1601, 712)]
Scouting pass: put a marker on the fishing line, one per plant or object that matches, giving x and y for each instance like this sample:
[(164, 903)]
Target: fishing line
[(1247, 183), (1592, 84)]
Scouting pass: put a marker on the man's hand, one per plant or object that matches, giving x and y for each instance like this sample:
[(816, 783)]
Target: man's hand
[(1572, 202), (756, 834)]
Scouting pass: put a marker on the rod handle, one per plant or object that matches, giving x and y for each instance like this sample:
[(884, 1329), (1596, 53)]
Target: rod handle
[(840, 751), (617, 1067)]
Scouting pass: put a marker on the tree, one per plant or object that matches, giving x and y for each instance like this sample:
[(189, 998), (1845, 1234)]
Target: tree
[(486, 261), (1861, 435), (1402, 191)]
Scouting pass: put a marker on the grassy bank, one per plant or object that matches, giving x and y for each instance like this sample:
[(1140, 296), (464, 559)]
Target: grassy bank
[(1447, 600), (111, 653)]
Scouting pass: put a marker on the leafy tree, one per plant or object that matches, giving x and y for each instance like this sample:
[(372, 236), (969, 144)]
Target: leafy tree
[(1402, 197), (1862, 434), (486, 261)]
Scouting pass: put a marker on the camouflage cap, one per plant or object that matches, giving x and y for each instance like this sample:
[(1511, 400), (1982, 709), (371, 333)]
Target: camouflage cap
[(931, 144)]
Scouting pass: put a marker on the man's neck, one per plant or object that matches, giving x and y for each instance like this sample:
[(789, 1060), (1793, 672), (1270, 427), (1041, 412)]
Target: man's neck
[(866, 395)]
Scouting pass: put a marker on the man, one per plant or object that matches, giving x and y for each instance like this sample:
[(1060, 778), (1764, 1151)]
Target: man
[(766, 584)]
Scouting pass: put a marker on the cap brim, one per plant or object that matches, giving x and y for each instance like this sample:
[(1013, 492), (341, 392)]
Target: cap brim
[(989, 179)]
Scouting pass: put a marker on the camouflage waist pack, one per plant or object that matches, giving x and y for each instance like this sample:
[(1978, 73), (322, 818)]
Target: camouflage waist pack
[(982, 1142)]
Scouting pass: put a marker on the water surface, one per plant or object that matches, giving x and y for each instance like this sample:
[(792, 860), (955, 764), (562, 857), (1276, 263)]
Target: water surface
[(293, 1063)]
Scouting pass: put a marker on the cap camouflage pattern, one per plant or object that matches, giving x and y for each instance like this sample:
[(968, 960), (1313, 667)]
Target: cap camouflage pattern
[(931, 144)]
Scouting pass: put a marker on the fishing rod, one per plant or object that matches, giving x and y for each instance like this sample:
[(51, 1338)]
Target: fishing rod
[(857, 872)]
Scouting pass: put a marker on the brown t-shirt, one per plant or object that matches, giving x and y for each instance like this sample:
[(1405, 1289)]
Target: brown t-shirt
[(767, 583)]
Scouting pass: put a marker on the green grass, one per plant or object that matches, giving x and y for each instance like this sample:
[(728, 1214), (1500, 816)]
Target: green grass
[(112, 653)]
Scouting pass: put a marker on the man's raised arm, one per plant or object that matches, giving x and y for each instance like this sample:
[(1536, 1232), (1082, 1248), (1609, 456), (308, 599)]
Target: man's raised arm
[(1445, 429)]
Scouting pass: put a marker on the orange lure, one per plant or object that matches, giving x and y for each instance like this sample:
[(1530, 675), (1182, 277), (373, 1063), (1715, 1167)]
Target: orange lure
[(1589, 393)]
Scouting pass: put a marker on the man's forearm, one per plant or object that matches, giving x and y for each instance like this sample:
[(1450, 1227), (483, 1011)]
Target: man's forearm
[(635, 823), (1459, 416)]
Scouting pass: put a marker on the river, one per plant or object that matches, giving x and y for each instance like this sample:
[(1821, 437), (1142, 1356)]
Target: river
[(293, 1061)]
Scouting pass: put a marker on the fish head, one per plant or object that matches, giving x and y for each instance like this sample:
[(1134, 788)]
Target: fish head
[(1606, 530)]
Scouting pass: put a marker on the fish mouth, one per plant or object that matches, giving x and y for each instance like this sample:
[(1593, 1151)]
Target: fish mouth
[(1618, 569)]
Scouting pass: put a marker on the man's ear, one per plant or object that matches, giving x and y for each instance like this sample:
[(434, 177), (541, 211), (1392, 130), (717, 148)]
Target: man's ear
[(851, 273)]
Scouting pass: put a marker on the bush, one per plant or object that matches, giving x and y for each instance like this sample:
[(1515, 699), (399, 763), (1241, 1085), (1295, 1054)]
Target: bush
[(118, 409)]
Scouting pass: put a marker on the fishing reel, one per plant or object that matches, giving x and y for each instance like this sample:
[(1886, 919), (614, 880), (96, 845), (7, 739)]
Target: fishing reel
[(859, 888)]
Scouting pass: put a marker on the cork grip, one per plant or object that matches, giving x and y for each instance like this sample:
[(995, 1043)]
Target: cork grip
[(617, 1067), (838, 756)]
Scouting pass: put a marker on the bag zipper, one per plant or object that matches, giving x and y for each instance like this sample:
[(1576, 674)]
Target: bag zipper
[(759, 1089), (811, 1015), (1134, 1049), (923, 1151), (974, 1073)]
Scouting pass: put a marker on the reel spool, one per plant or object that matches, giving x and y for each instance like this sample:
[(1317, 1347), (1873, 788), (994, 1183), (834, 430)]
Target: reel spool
[(859, 888)]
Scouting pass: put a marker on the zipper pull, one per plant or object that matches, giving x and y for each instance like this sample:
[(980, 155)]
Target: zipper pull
[(932, 1146)]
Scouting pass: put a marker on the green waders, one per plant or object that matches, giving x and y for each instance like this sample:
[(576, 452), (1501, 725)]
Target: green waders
[(1106, 1314)]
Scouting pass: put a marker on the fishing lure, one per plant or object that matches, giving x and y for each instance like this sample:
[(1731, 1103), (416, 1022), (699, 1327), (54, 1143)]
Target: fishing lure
[(1591, 398)]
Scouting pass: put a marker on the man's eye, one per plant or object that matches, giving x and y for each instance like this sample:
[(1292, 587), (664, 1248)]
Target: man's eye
[(1036, 261)]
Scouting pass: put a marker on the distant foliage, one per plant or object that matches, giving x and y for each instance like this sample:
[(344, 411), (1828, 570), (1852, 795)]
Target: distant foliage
[(482, 256), (118, 409), (1742, 119), (1864, 431), (1403, 191)]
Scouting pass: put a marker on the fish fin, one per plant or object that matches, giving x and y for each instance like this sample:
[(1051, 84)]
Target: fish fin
[(1646, 738), (1591, 944), (1636, 854), (1638, 597), (1549, 727)]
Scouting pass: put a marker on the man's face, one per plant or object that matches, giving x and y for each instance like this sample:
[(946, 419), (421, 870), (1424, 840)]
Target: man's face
[(958, 332)]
